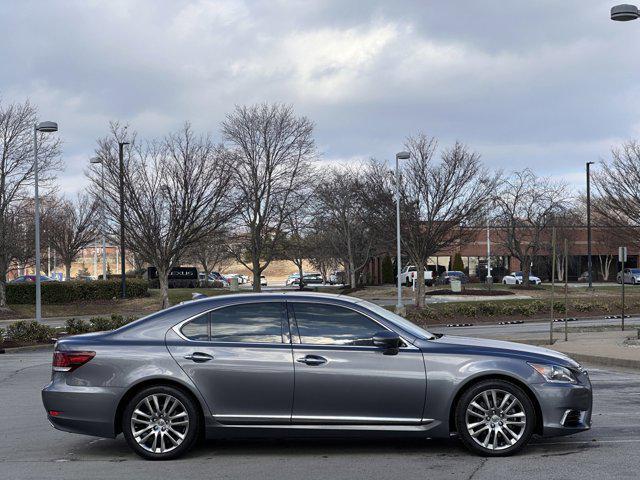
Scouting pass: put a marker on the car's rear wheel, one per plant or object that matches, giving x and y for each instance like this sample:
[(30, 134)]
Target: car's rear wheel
[(495, 418), (160, 423)]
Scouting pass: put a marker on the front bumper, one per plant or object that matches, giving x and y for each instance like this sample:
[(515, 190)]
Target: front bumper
[(85, 410), (565, 408)]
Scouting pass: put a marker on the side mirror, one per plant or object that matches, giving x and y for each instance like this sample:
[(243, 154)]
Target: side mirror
[(389, 341)]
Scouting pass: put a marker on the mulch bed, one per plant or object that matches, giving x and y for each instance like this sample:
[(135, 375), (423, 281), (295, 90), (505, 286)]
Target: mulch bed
[(469, 291)]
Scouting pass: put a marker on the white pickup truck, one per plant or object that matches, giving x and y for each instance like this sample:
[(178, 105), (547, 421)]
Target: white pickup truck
[(409, 273)]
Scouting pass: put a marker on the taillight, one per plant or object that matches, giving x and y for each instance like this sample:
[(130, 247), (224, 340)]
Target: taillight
[(69, 361)]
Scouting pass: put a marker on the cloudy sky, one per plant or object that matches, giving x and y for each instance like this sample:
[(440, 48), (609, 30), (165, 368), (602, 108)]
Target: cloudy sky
[(541, 84)]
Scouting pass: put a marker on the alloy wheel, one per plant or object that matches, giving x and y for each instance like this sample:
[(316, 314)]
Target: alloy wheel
[(159, 423), (495, 419)]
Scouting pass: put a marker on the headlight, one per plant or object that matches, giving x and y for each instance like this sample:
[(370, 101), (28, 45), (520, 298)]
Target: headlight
[(554, 373)]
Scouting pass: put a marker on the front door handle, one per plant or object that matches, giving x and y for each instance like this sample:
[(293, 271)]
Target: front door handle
[(312, 360), (199, 357)]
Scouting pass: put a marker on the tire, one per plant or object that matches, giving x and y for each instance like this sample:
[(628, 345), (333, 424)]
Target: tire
[(170, 441), (504, 282), (494, 442)]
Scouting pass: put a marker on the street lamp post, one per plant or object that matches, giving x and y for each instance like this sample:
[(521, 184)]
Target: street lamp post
[(589, 262), (44, 127), (97, 160), (123, 280), (399, 305)]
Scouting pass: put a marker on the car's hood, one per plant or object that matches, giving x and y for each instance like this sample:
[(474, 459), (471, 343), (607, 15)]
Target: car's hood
[(486, 346)]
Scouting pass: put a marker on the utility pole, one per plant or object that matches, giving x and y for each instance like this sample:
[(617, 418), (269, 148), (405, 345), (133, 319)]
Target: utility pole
[(553, 283), (589, 262), (566, 289), (622, 255), (489, 277), (123, 280)]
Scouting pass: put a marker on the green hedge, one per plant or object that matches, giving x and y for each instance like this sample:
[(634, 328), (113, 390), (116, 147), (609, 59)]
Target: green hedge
[(66, 292), (29, 332), (96, 324)]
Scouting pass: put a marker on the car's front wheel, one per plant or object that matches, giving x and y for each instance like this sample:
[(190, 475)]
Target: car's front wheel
[(494, 418), (160, 423)]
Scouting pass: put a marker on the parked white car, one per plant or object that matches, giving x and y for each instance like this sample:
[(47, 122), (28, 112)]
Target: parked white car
[(516, 278), (631, 275), (409, 273)]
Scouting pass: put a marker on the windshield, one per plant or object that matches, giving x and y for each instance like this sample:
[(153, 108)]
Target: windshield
[(635, 270), (403, 323)]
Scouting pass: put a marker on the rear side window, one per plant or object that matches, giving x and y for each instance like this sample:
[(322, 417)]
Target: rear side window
[(249, 323), (198, 328), (333, 325)]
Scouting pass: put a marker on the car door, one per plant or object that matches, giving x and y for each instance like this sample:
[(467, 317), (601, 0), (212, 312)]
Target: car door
[(341, 378), (239, 357)]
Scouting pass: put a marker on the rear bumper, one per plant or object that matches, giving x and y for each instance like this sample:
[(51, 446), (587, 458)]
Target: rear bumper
[(565, 408), (85, 410)]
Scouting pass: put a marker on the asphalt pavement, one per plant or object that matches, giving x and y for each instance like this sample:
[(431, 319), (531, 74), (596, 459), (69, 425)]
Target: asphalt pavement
[(31, 449)]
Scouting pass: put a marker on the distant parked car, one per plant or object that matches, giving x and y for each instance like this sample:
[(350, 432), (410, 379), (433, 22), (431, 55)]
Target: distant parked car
[(410, 272), (309, 279), (263, 280), (31, 279), (241, 278), (292, 279), (213, 277), (445, 277), (631, 275), (337, 277), (516, 278)]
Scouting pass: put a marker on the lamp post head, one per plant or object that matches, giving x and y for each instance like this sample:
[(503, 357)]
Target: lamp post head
[(403, 155), (624, 12), (95, 160), (123, 143), (47, 127)]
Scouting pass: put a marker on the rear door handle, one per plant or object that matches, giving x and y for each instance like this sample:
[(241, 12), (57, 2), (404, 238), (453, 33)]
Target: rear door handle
[(312, 360), (199, 357)]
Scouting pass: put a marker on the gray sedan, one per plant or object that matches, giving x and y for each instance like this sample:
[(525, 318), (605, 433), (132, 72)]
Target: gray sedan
[(307, 364)]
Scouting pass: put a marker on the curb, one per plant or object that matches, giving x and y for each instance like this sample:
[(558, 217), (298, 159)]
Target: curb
[(29, 348)]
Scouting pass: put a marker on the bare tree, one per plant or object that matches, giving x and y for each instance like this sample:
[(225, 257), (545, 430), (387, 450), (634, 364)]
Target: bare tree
[(272, 153), (211, 253), (17, 175), (526, 205), (177, 193), (354, 205), (297, 246), (71, 227), (438, 198), (617, 202)]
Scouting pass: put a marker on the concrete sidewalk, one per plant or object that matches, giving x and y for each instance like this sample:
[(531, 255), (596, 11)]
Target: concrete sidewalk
[(617, 348)]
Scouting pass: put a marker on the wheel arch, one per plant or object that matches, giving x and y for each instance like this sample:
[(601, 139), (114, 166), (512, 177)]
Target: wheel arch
[(496, 376), (154, 382)]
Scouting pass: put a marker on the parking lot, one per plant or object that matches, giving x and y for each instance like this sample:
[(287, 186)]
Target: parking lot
[(31, 448)]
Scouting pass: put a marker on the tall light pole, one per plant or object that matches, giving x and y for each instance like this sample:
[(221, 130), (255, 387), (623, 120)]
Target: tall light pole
[(44, 127), (589, 262), (123, 280), (96, 160), (399, 305)]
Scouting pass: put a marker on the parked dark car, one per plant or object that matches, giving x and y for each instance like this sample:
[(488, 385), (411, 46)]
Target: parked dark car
[(179, 277), (309, 279), (226, 366), (31, 279), (445, 277)]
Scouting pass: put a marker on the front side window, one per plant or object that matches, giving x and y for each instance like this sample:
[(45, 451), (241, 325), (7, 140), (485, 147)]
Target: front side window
[(248, 323), (333, 325)]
